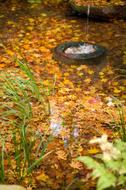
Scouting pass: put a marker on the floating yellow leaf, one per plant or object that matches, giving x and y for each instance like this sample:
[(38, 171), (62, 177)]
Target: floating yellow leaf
[(101, 73), (80, 149), (66, 74), (68, 82), (29, 28), (122, 88), (123, 97), (110, 72), (80, 74), (42, 177), (88, 80), (9, 52), (104, 80), (73, 21), (10, 22), (75, 164), (82, 67), (61, 155), (93, 151), (1, 16), (73, 66), (46, 82), (26, 46), (5, 60), (90, 71), (44, 49), (20, 35), (116, 91), (51, 40), (43, 14), (31, 20), (2, 65), (115, 83)]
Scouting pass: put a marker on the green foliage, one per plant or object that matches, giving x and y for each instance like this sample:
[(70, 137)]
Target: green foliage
[(106, 179), (14, 90), (121, 71), (29, 147), (111, 173), (120, 124), (39, 92), (31, 82), (2, 171)]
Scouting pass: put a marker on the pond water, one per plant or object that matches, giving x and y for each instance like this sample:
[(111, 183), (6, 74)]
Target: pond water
[(79, 99), (36, 30)]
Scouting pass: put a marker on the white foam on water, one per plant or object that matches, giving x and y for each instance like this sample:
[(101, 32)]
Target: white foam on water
[(82, 49)]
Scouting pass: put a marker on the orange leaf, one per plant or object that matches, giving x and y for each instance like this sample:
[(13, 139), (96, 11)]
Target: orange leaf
[(42, 177), (61, 155)]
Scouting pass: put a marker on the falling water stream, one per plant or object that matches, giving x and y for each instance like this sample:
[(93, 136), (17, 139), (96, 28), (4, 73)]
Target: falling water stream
[(87, 21), (85, 48)]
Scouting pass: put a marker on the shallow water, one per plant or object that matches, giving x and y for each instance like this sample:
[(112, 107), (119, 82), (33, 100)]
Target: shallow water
[(35, 31), (79, 99), (55, 26)]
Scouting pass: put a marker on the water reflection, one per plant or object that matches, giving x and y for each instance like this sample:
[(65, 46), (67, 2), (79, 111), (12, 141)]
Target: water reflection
[(55, 119), (58, 128)]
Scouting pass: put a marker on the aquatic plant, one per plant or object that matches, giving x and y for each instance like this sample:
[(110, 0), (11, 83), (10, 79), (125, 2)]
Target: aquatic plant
[(28, 147), (119, 123), (2, 155), (121, 71)]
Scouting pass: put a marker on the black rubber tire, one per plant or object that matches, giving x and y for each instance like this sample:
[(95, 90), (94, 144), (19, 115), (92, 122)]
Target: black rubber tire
[(91, 58)]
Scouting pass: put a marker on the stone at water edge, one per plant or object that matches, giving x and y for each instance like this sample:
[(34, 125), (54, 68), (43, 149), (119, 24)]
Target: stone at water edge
[(11, 187), (100, 12)]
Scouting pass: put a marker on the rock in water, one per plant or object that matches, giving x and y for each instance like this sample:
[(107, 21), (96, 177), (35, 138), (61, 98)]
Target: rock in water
[(11, 187), (105, 12)]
